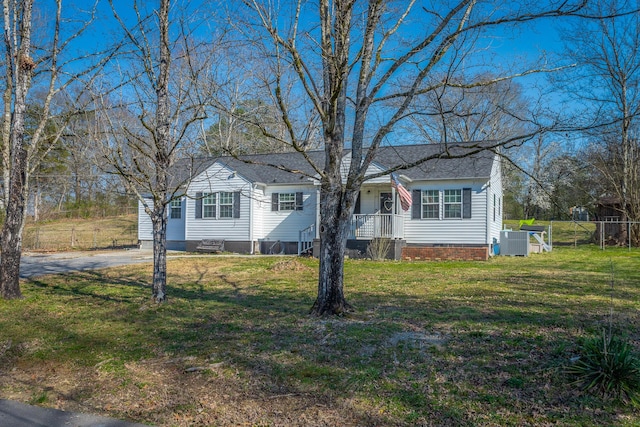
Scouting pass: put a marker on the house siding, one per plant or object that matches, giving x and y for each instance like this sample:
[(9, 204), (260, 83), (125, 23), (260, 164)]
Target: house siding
[(259, 205), (285, 225), (215, 179), (450, 231), (495, 189), (145, 227), (175, 227)]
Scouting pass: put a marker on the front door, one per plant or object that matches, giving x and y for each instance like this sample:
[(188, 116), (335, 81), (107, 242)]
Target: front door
[(386, 203)]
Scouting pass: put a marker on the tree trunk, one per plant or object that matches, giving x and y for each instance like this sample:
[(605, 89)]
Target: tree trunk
[(11, 236), (336, 207), (159, 281), (162, 160), (77, 188), (6, 137), (36, 201)]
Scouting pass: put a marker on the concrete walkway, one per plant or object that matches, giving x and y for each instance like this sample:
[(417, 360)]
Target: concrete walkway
[(14, 414)]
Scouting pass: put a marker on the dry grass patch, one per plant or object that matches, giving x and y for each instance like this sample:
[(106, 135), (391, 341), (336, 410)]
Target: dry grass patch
[(81, 234), (292, 264)]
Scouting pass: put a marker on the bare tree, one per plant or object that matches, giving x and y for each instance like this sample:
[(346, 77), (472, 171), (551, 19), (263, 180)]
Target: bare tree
[(362, 67), (31, 60), (242, 129), (607, 82), (247, 118), (165, 89), (484, 112)]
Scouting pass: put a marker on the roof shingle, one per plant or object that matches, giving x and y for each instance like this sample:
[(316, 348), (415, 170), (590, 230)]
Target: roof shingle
[(292, 168)]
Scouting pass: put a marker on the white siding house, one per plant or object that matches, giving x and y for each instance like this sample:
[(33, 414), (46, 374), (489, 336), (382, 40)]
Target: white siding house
[(260, 207)]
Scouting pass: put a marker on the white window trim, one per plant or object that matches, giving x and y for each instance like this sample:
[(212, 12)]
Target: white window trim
[(175, 205), (220, 204), (445, 204), (439, 204), (292, 202), (215, 205)]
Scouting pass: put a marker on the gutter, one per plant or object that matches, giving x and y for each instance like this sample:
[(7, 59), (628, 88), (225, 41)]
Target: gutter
[(252, 201)]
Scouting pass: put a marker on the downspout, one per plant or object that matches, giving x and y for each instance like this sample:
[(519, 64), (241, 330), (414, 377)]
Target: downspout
[(488, 215), (317, 227), (251, 202)]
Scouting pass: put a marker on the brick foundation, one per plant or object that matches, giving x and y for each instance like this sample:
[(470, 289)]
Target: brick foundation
[(441, 253)]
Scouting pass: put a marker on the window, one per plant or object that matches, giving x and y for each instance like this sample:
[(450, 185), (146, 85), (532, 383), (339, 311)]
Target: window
[(426, 204), (453, 203), (175, 209), (226, 205), (431, 204), (209, 205), (287, 201)]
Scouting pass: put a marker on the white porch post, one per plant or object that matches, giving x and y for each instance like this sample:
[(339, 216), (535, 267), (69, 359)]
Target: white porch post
[(394, 207), (251, 201), (317, 227)]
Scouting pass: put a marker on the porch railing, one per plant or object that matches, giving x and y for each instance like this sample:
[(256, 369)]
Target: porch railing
[(305, 239), (371, 226)]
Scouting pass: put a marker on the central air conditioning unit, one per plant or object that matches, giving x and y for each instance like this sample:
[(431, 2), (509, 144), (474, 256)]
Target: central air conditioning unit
[(514, 243)]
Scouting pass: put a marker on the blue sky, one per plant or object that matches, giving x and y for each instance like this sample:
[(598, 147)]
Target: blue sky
[(515, 47)]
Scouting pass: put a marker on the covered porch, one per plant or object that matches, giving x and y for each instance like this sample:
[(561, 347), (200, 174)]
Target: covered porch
[(377, 214), (376, 225)]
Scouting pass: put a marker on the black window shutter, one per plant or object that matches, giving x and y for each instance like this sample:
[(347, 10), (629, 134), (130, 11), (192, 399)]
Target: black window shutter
[(466, 203), (356, 210), (299, 201), (274, 201), (416, 204), (236, 204), (198, 205)]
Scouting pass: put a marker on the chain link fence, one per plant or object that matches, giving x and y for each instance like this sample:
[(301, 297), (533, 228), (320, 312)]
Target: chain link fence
[(604, 234)]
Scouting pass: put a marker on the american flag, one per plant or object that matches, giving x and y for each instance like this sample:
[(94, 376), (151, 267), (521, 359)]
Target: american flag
[(405, 196)]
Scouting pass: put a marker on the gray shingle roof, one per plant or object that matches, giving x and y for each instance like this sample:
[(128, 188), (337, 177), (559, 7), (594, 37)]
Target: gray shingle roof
[(274, 168), (260, 167), (184, 169), (440, 166)]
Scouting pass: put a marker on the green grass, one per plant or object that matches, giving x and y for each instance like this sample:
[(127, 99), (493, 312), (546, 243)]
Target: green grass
[(430, 343)]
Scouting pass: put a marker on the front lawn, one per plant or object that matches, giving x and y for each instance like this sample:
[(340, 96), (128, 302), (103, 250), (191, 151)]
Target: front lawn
[(430, 343)]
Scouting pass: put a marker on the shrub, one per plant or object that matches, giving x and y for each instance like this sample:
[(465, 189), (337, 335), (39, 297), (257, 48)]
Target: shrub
[(378, 248), (608, 367)]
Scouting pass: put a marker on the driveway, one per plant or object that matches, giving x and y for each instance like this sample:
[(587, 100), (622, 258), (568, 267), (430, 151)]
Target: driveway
[(36, 264), (15, 414)]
